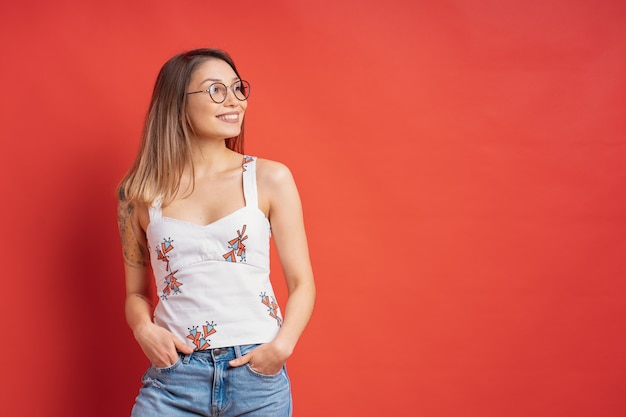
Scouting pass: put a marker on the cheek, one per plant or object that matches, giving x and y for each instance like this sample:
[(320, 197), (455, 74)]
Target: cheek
[(198, 114)]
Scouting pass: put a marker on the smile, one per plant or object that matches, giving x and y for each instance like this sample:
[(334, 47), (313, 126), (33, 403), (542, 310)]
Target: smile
[(229, 117)]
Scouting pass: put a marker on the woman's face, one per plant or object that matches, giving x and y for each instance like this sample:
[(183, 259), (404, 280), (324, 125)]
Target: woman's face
[(209, 119)]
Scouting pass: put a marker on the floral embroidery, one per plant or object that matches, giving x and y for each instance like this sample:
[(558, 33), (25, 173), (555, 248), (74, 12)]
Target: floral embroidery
[(172, 286), (273, 308), (201, 340), (237, 248)]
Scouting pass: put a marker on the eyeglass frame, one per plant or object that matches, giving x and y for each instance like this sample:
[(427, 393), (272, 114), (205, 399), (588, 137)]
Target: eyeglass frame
[(227, 87)]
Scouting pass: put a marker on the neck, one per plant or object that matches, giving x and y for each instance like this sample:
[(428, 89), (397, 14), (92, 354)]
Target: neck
[(211, 156)]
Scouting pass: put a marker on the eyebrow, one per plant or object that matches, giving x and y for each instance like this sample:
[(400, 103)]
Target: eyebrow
[(218, 80)]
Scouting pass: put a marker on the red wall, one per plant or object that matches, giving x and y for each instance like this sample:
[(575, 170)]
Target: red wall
[(462, 169)]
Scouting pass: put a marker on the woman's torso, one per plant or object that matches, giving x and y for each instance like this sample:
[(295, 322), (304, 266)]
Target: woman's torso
[(213, 279)]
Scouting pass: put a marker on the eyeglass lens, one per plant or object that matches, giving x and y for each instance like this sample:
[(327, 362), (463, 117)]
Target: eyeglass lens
[(218, 91)]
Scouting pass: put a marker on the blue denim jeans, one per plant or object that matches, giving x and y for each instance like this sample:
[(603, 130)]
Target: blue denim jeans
[(203, 384)]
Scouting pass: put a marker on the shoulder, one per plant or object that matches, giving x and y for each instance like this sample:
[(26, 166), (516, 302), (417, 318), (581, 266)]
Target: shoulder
[(272, 173), (277, 187)]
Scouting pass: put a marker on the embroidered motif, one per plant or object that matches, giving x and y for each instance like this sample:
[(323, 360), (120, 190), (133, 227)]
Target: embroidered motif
[(171, 285), (238, 249), (162, 251), (171, 282), (202, 340), (246, 159), (273, 308)]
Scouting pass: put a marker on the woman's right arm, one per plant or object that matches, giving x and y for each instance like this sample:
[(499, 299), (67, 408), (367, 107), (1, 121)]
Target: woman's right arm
[(159, 345)]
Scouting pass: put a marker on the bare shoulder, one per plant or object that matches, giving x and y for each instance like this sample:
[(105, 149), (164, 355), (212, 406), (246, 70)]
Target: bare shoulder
[(273, 173), (276, 186)]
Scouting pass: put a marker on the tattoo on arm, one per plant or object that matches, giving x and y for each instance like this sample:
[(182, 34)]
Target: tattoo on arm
[(134, 253), (143, 298)]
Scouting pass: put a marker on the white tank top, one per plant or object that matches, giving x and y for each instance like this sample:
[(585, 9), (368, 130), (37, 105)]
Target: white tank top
[(213, 280)]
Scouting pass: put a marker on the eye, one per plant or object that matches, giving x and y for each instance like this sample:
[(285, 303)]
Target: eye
[(217, 92), (241, 89), (214, 89)]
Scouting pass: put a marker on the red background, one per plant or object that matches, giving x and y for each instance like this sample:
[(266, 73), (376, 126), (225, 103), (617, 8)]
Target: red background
[(461, 165)]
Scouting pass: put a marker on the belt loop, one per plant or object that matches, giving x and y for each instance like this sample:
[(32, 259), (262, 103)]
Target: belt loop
[(237, 351), (186, 358)]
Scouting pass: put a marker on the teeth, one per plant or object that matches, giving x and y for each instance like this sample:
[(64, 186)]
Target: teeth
[(228, 117)]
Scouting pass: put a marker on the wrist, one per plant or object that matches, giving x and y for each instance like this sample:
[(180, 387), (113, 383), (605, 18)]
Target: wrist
[(139, 328), (283, 347)]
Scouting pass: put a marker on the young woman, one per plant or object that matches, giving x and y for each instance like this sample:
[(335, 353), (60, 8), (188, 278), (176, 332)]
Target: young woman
[(199, 211)]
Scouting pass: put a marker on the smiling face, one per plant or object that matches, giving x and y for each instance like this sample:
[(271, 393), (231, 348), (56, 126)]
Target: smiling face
[(210, 120)]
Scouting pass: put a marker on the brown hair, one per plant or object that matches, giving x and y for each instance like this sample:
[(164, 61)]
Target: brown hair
[(165, 148)]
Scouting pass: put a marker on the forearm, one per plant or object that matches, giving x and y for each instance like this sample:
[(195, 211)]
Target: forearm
[(138, 311), (296, 315)]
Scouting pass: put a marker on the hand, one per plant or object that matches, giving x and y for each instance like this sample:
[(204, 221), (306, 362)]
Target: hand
[(266, 359), (160, 346)]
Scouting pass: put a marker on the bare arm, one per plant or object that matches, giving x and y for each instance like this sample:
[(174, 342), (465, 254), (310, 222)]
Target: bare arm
[(285, 214), (158, 344)]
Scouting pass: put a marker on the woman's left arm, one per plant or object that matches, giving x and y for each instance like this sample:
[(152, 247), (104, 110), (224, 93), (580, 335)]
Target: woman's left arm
[(281, 202)]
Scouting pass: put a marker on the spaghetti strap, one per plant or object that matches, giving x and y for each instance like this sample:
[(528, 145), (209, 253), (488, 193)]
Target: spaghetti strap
[(249, 181), (155, 211)]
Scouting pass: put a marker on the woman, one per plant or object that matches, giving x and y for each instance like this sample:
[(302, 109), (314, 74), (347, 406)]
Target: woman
[(199, 211)]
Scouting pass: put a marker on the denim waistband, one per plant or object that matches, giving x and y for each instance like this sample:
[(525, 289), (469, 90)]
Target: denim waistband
[(221, 353)]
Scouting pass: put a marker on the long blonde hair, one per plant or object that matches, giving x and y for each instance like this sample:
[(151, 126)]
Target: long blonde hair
[(165, 148)]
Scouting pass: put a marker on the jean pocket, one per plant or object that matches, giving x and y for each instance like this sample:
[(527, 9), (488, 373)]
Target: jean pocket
[(169, 368), (257, 373)]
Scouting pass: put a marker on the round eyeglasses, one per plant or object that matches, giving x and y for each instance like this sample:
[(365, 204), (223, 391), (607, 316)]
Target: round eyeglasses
[(219, 91)]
